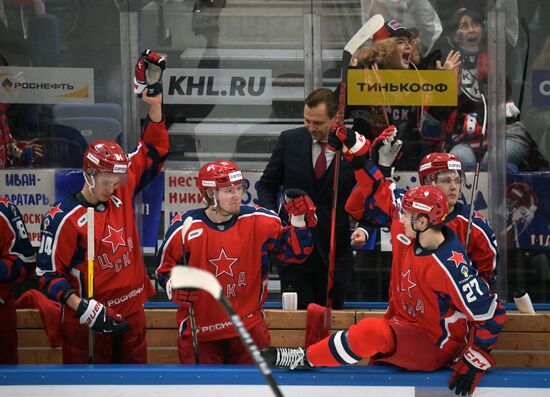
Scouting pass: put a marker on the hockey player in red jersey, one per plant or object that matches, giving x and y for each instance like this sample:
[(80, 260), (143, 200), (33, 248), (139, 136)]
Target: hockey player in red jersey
[(443, 170), (17, 259), (234, 242), (121, 283), (439, 311)]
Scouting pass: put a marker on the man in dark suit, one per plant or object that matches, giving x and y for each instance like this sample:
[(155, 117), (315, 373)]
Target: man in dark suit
[(303, 160)]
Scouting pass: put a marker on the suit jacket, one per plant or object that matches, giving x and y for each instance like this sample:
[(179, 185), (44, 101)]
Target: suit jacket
[(291, 166)]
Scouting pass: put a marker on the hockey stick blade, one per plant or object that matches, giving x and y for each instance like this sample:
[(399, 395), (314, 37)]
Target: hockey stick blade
[(192, 277), (366, 32)]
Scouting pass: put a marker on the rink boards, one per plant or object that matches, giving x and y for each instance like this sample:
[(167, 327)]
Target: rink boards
[(246, 381)]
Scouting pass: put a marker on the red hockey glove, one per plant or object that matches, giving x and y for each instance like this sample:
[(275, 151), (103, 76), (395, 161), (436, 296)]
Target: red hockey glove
[(469, 370), (183, 297), (300, 208), (100, 318), (385, 148), (354, 144), (148, 73)]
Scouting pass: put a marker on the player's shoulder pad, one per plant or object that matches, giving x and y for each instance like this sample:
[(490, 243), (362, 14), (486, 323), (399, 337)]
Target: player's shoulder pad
[(247, 210), (463, 211), (60, 210), (452, 255), (8, 209), (180, 217)]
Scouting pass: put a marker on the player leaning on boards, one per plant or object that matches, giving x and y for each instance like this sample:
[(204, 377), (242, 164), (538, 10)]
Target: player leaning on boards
[(121, 284), (233, 242), (440, 311)]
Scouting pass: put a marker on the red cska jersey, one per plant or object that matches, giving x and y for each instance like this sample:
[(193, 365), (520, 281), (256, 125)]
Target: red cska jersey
[(482, 249), (120, 279), (237, 253), (17, 255), (438, 290)]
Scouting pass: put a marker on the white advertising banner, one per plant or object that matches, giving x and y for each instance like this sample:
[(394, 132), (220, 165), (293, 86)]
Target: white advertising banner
[(217, 86), (181, 193), (46, 85), (33, 192)]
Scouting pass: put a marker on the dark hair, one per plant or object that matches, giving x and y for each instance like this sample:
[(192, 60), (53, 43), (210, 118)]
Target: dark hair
[(457, 16), (326, 96)]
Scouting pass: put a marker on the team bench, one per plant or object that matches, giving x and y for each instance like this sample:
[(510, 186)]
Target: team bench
[(524, 342)]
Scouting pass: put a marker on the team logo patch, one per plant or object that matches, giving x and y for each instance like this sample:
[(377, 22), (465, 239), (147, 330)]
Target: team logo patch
[(457, 258), (223, 264), (464, 271), (194, 234)]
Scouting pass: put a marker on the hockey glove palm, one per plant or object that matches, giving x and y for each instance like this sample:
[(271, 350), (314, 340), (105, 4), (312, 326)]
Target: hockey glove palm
[(300, 208), (468, 371), (385, 148), (148, 73), (100, 318)]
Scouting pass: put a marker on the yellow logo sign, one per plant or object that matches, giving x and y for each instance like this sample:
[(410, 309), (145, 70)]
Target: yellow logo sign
[(402, 87)]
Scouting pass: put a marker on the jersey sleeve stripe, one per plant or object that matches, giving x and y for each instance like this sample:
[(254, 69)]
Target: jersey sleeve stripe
[(477, 317)]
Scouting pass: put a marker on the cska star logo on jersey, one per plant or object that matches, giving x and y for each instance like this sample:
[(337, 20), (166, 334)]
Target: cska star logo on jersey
[(115, 238), (223, 264), (54, 210), (4, 201), (178, 217), (457, 258), (406, 283)]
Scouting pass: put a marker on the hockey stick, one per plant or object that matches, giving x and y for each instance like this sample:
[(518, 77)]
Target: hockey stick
[(476, 174), (186, 225), (525, 26), (90, 249), (191, 277), (367, 31)]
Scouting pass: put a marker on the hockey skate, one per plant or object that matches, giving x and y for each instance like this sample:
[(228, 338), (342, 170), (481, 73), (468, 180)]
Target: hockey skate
[(284, 357)]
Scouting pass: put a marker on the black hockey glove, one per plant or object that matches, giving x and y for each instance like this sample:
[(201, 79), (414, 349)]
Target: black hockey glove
[(469, 370), (100, 318)]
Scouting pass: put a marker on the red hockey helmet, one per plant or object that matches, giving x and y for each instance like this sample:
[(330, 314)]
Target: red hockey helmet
[(521, 194), (217, 174), (434, 163), (427, 200), (105, 156)]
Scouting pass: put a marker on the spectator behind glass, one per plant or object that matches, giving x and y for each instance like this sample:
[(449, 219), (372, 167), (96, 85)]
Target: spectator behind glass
[(463, 127), (12, 152), (396, 47), (536, 117), (419, 13)]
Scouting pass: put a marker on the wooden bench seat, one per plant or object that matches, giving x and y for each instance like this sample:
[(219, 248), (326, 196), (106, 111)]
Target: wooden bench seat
[(524, 342)]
